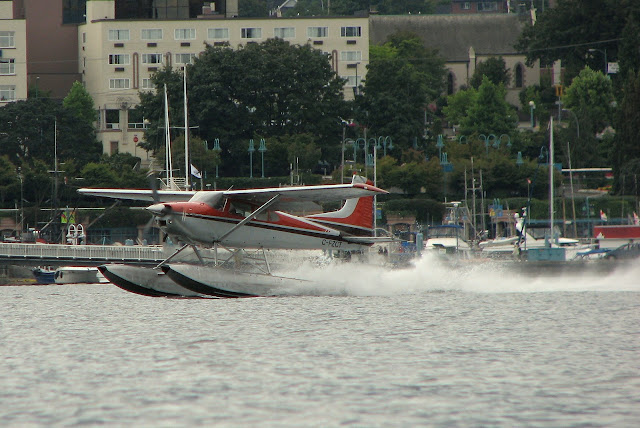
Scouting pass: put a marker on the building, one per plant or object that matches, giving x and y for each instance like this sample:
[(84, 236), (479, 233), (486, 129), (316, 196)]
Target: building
[(51, 43), (118, 56), (13, 55), (114, 46), (465, 41)]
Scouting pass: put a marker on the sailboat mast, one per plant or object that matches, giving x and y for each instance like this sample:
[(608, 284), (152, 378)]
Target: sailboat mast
[(167, 141), (551, 177), (187, 170)]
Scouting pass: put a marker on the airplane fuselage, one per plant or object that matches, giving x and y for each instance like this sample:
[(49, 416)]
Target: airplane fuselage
[(202, 224)]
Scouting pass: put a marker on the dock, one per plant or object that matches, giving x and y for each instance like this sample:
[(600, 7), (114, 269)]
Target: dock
[(23, 254)]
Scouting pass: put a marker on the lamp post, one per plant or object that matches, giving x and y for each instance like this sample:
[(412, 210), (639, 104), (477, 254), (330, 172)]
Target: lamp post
[(217, 149), (532, 107), (262, 149), (365, 145), (21, 201), (382, 144), (606, 64), (251, 150)]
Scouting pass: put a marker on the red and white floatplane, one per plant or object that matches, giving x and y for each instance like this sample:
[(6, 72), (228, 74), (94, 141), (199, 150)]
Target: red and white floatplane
[(233, 222)]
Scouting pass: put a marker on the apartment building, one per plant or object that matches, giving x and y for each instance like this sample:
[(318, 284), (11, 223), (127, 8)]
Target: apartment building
[(13, 55), (117, 57)]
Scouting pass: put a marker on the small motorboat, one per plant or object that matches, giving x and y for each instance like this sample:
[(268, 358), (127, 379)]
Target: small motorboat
[(44, 274), (78, 275)]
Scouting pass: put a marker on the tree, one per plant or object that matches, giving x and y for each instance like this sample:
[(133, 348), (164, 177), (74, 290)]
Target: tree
[(495, 69), (253, 8), (626, 162), (8, 180), (489, 113), (79, 101), (590, 95), (30, 128), (403, 77), (268, 89), (570, 29)]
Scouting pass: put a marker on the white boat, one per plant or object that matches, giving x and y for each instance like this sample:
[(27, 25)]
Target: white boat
[(78, 275)]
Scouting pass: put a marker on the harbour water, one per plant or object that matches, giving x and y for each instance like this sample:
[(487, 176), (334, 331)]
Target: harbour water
[(424, 346)]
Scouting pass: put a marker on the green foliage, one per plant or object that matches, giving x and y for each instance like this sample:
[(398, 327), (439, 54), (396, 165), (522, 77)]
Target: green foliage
[(590, 96), (27, 132), (490, 113), (495, 69), (402, 78), (9, 181), (81, 104), (458, 105), (426, 211), (269, 89), (120, 170), (349, 7), (626, 161), (572, 27)]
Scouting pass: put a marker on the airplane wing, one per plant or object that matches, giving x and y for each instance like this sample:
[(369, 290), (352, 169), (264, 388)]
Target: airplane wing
[(321, 193), (288, 195), (140, 194)]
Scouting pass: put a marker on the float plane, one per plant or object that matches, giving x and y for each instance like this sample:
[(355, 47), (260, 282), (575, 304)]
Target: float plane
[(235, 221)]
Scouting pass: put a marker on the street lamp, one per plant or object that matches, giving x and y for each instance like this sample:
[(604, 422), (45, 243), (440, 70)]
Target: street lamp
[(606, 64), (382, 144), (21, 201), (251, 150), (262, 149), (217, 149), (532, 107)]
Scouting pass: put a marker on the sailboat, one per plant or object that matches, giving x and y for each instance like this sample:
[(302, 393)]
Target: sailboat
[(552, 247)]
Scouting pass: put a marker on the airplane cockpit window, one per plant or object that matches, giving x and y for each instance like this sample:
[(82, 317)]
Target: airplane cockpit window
[(245, 210)]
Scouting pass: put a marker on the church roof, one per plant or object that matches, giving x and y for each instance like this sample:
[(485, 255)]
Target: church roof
[(453, 35)]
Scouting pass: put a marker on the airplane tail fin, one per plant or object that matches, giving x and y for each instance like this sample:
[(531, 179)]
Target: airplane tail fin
[(355, 217)]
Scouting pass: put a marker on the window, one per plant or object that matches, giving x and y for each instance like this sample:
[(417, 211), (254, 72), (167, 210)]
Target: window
[(218, 33), (351, 31), (350, 56), (151, 34), (152, 58), (7, 39), (118, 83), (7, 93), (185, 58), (7, 66), (519, 72), (487, 6), (112, 119), (118, 35), (317, 32), (466, 5), (119, 59), (147, 84), (450, 83), (251, 33), (185, 34), (284, 32), (84, 37), (352, 80), (135, 118)]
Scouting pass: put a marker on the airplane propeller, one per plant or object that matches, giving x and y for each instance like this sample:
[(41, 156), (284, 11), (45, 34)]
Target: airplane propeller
[(153, 183)]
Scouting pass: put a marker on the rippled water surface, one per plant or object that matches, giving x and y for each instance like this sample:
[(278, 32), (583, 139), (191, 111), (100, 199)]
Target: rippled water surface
[(421, 346)]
